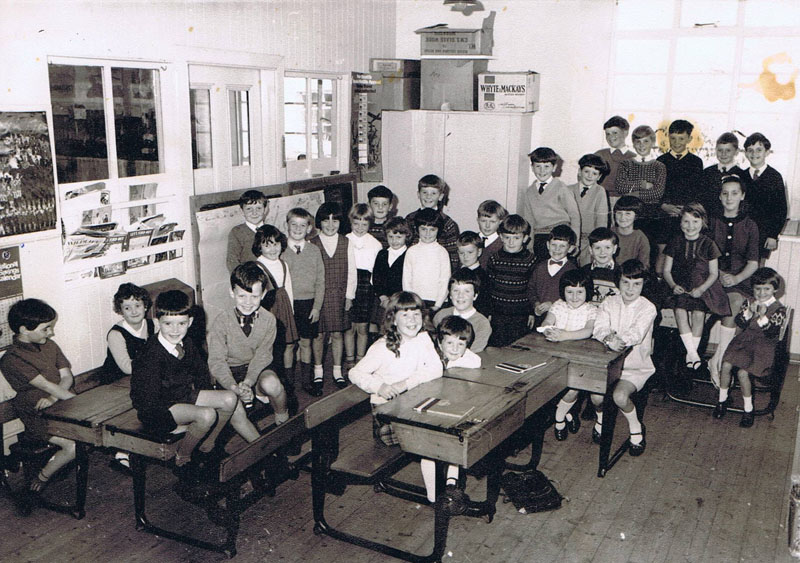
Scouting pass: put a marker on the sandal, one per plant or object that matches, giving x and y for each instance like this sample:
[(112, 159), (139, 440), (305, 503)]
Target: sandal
[(638, 449)]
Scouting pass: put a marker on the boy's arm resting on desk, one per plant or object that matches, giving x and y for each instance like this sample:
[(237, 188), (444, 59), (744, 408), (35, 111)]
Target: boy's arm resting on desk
[(57, 391)]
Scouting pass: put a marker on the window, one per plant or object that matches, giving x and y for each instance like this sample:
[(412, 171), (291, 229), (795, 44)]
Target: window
[(200, 108), (92, 104), (309, 118)]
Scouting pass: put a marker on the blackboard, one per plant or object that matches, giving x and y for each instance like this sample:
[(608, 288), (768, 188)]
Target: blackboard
[(214, 215)]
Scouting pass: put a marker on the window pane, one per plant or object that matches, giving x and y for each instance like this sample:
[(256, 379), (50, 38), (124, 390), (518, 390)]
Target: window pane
[(772, 13), (201, 128), (640, 93), (700, 12), (79, 127), (321, 112), (136, 121), (240, 127), (700, 92), (648, 14), (717, 57), (642, 56)]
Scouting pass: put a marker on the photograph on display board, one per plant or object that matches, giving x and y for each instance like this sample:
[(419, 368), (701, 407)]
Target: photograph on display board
[(27, 189), (10, 290)]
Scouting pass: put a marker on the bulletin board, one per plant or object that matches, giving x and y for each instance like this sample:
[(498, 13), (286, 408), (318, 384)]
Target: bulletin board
[(214, 215)]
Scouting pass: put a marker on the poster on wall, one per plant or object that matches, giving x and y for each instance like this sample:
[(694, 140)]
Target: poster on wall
[(10, 290), (27, 189)]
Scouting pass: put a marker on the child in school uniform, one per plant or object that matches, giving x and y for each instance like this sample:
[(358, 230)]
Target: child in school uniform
[(387, 275), (691, 270), (548, 202), (470, 250), (592, 200), (570, 318), (547, 273), (426, 269), (766, 193), (240, 341), (726, 149), (736, 236), (41, 375), (365, 250), (380, 199), (490, 215), (307, 270), (603, 269), (339, 261), (510, 275), (626, 320), (464, 287), (125, 340), (402, 359), (278, 299), (644, 177), (684, 176), (633, 243), (752, 351), (616, 132), (454, 337), (171, 386), (254, 206), (433, 193)]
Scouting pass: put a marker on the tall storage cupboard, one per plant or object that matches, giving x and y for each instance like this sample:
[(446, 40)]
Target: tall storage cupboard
[(480, 155)]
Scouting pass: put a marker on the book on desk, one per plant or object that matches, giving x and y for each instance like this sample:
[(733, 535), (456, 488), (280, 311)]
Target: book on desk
[(444, 407)]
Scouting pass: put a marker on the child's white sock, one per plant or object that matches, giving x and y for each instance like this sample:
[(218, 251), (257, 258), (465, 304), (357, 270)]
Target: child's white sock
[(337, 372), (317, 372), (634, 425), (696, 341), (562, 411), (723, 395), (452, 475), (748, 404), (691, 349), (428, 468)]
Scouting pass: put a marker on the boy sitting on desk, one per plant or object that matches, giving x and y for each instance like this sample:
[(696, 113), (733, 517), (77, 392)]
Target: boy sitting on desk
[(240, 341), (171, 385), (37, 370)]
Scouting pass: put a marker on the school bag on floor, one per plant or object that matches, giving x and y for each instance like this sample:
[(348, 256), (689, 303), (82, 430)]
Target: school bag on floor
[(530, 491)]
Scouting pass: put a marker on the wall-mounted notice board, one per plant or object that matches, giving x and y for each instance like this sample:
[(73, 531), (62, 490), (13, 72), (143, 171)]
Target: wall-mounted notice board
[(214, 215)]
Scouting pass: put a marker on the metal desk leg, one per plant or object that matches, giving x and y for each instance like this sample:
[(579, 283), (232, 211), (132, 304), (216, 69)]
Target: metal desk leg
[(607, 435)]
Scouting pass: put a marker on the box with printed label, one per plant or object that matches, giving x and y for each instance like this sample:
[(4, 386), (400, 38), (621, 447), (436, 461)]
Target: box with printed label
[(442, 40), (509, 91)]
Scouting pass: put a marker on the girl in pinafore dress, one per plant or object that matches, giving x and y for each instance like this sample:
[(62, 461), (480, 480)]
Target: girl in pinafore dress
[(268, 245), (692, 272), (752, 351), (365, 249), (340, 288)]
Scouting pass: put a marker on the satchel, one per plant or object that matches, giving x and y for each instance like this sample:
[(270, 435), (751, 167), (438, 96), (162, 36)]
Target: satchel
[(530, 491)]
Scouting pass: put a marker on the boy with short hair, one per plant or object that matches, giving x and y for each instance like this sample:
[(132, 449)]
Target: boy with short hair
[(470, 251), (240, 341), (547, 273), (548, 202), (307, 270), (490, 214), (254, 206), (726, 149), (433, 192), (171, 386), (511, 283), (604, 271), (464, 288), (592, 200), (380, 201), (454, 339), (766, 193), (633, 243), (37, 370), (427, 265), (616, 131)]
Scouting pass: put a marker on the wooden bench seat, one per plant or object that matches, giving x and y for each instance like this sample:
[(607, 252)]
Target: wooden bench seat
[(360, 454)]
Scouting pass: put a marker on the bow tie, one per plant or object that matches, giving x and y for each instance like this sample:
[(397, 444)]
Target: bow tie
[(552, 262), (608, 266), (246, 321)]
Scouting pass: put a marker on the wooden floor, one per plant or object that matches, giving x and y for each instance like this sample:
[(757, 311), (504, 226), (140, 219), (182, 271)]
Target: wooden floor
[(705, 490)]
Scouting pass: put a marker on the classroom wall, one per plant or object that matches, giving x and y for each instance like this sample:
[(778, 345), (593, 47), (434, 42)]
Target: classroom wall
[(309, 34), (568, 41)]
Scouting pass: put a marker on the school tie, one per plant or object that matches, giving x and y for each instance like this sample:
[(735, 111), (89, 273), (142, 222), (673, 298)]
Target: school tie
[(756, 174), (584, 189), (298, 248), (541, 187), (179, 350)]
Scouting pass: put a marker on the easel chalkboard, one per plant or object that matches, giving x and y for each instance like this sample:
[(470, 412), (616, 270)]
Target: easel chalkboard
[(214, 215)]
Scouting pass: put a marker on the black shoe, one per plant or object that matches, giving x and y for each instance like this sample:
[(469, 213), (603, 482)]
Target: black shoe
[(595, 435), (574, 425), (341, 383), (561, 433), (292, 404), (748, 418), (117, 465), (316, 388), (720, 409), (638, 449), (454, 500)]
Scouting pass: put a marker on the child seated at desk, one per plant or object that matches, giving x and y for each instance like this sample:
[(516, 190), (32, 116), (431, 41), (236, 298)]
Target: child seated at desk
[(171, 385), (570, 318), (454, 336), (125, 340), (403, 358), (626, 319), (37, 370), (465, 286)]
